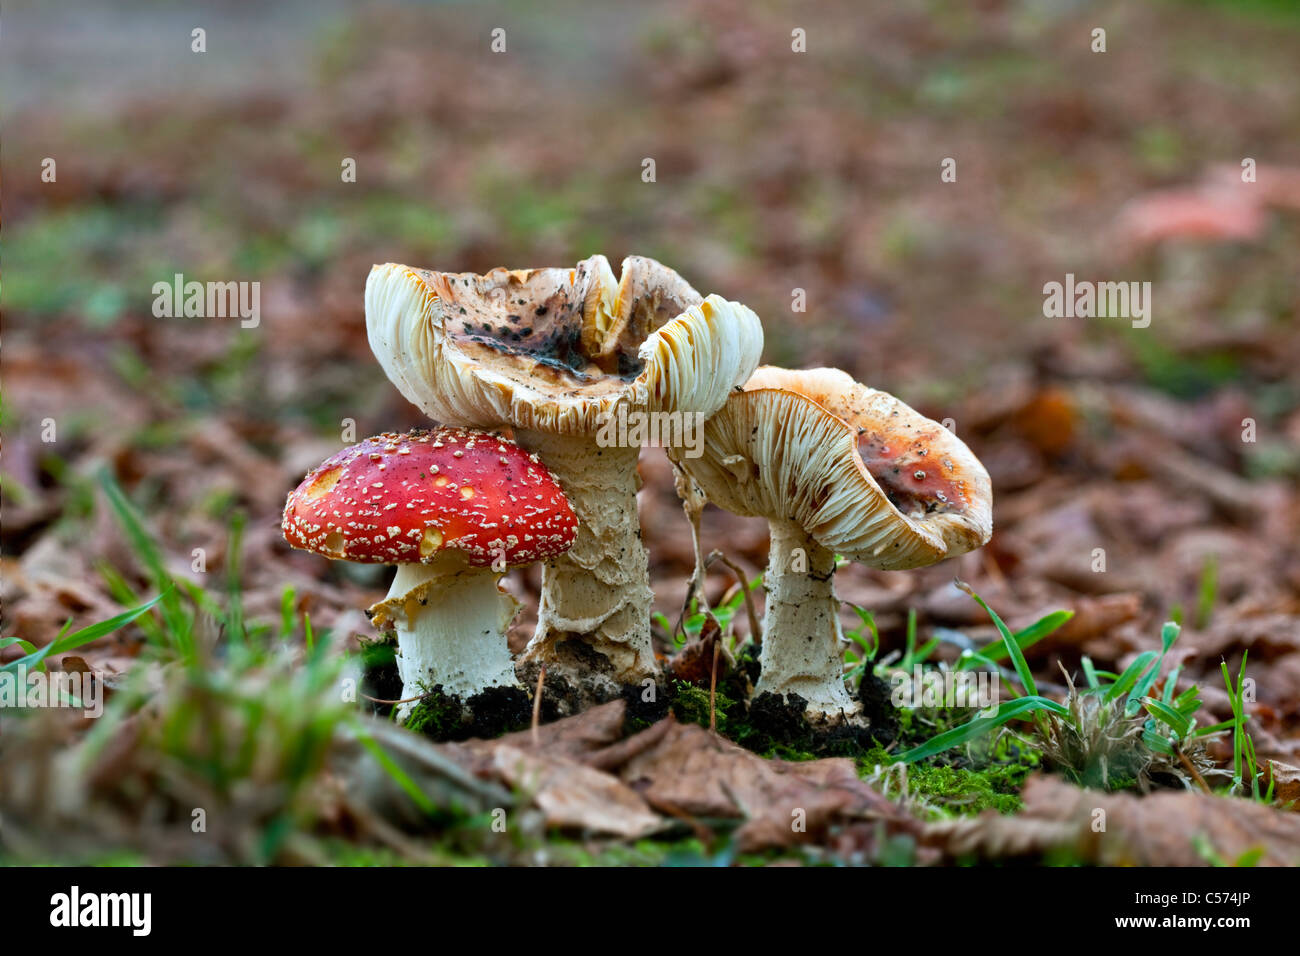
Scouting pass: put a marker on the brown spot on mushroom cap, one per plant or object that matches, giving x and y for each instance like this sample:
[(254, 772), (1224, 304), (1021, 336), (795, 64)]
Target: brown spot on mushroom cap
[(915, 477), (402, 498), (568, 327), (864, 474), (556, 350)]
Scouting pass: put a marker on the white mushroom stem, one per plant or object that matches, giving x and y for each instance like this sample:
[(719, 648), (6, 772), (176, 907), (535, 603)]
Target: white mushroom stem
[(802, 650), (451, 630), (598, 591)]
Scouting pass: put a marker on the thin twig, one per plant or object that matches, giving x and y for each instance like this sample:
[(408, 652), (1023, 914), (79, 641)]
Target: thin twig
[(755, 629), (697, 577), (713, 686), (1191, 768), (537, 704), (693, 502), (404, 700)]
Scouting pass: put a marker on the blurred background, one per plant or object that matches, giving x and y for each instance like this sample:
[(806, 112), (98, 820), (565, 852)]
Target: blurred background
[(775, 171)]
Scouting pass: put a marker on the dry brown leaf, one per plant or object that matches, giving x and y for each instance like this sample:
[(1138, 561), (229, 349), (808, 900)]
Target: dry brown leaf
[(574, 796), (576, 737), (694, 663), (1162, 829), (1096, 616), (695, 773), (1286, 783)]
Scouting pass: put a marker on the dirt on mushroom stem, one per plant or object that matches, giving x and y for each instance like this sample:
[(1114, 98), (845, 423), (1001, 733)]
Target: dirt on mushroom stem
[(595, 594), (450, 625)]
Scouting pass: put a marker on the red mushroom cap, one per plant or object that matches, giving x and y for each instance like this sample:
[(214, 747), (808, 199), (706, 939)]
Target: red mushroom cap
[(407, 498)]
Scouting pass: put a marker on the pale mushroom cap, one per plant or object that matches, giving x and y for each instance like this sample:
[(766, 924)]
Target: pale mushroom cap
[(791, 447), (557, 350)]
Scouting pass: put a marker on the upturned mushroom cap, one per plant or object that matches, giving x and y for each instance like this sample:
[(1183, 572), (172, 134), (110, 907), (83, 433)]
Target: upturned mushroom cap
[(417, 497), (556, 350), (864, 474)]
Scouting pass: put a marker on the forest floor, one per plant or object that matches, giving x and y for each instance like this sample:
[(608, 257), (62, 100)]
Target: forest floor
[(1141, 474)]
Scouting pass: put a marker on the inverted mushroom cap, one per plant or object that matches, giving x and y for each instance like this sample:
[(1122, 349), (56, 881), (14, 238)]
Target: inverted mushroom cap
[(864, 474), (411, 498), (556, 350)]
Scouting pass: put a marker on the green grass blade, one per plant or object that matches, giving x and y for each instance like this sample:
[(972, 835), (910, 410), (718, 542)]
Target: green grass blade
[(978, 726), (1127, 680), (1168, 635), (1030, 635), (1213, 729), (925, 650), (68, 642), (178, 624), (1180, 724), (1207, 590), (1017, 656), (27, 646)]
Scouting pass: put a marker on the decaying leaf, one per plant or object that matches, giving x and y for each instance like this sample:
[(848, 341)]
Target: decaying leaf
[(1286, 783), (584, 777), (695, 773), (1163, 829), (573, 796)]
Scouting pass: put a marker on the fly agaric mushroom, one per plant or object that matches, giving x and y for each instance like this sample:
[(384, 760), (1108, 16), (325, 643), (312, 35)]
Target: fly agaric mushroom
[(836, 468), (453, 509), (559, 354)]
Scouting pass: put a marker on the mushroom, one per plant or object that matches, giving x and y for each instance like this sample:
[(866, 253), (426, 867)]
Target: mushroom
[(836, 468), (453, 509), (563, 356)]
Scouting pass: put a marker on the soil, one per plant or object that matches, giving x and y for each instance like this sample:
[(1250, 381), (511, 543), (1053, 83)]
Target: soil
[(576, 678), (496, 711)]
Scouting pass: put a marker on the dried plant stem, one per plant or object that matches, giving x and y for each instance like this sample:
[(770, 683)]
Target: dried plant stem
[(713, 687), (755, 628), (537, 704), (1191, 768)]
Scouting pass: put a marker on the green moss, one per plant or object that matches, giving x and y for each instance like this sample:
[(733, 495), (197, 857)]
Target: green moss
[(691, 705), (634, 725), (379, 677), (377, 654), (490, 713), (917, 726), (962, 789), (437, 715)]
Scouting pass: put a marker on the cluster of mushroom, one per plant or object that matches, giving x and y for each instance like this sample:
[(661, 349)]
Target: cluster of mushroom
[(553, 356)]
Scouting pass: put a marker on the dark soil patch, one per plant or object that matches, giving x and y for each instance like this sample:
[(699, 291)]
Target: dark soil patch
[(496, 711)]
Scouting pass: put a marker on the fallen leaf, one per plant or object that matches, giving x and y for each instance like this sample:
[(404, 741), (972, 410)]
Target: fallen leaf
[(1286, 783), (1119, 829), (576, 737), (1096, 616), (574, 796), (695, 773)]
